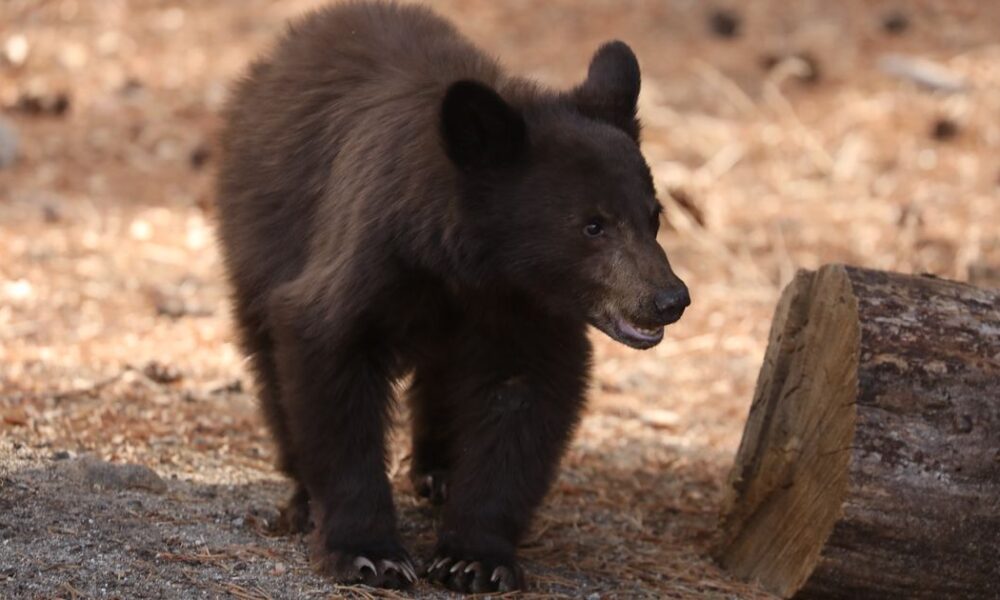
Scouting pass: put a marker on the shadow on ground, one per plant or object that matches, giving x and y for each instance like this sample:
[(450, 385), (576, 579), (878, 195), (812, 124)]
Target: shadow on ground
[(66, 538)]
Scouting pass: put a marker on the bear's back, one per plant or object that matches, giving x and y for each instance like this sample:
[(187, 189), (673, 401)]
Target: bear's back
[(337, 126)]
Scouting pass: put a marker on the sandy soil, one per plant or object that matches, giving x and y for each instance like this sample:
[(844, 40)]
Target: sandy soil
[(116, 344)]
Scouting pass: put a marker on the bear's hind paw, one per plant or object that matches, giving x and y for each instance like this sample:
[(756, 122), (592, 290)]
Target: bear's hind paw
[(433, 486)]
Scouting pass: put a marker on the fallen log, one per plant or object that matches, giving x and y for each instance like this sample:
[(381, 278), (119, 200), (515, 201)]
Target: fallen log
[(870, 462)]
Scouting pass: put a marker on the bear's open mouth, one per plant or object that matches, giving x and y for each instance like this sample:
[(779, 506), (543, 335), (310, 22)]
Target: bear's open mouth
[(628, 332), (643, 334), (635, 335)]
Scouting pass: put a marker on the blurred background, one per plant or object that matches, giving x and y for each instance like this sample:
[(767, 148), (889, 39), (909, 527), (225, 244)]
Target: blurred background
[(781, 136)]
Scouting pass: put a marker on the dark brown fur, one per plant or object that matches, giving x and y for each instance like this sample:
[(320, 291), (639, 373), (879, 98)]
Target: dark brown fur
[(390, 203)]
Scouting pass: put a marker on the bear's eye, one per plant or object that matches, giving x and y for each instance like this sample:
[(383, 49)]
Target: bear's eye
[(593, 228)]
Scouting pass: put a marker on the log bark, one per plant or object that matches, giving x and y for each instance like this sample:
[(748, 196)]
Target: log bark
[(870, 462)]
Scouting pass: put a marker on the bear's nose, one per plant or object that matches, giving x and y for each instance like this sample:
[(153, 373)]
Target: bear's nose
[(671, 302)]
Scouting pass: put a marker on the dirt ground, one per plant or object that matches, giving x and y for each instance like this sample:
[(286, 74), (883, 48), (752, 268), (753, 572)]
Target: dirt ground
[(790, 143)]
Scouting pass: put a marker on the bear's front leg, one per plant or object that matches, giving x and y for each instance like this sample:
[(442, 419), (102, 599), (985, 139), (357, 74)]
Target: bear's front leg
[(508, 447), (336, 395)]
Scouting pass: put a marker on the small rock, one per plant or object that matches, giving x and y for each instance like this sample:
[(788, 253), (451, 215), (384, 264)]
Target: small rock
[(51, 213), (769, 61), (895, 23), (8, 144), (660, 418), (963, 423), (234, 386), (61, 455), (55, 105), (161, 373), (944, 129), (178, 303), (206, 492), (93, 472), (725, 23), (200, 156), (131, 88), (15, 416), (802, 66), (808, 68), (15, 50)]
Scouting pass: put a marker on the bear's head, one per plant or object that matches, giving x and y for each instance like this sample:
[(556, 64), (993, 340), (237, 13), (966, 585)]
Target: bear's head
[(559, 198)]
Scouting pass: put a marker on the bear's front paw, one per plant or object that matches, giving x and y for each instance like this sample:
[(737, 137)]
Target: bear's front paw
[(475, 575), (367, 568)]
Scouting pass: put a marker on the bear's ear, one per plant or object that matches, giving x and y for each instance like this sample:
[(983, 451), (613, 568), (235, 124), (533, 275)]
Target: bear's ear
[(479, 128), (611, 90)]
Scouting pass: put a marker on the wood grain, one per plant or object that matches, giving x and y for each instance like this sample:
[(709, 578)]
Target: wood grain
[(870, 462)]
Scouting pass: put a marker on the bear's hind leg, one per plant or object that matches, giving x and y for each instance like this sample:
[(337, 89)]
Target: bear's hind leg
[(294, 515), (432, 428), (258, 344)]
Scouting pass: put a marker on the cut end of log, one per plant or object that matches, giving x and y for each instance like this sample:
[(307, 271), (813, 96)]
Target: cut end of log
[(870, 463), (773, 531)]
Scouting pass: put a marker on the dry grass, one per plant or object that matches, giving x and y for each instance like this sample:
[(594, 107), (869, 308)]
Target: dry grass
[(107, 261)]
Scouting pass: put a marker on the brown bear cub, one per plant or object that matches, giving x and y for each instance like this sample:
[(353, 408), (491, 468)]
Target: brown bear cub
[(392, 203)]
